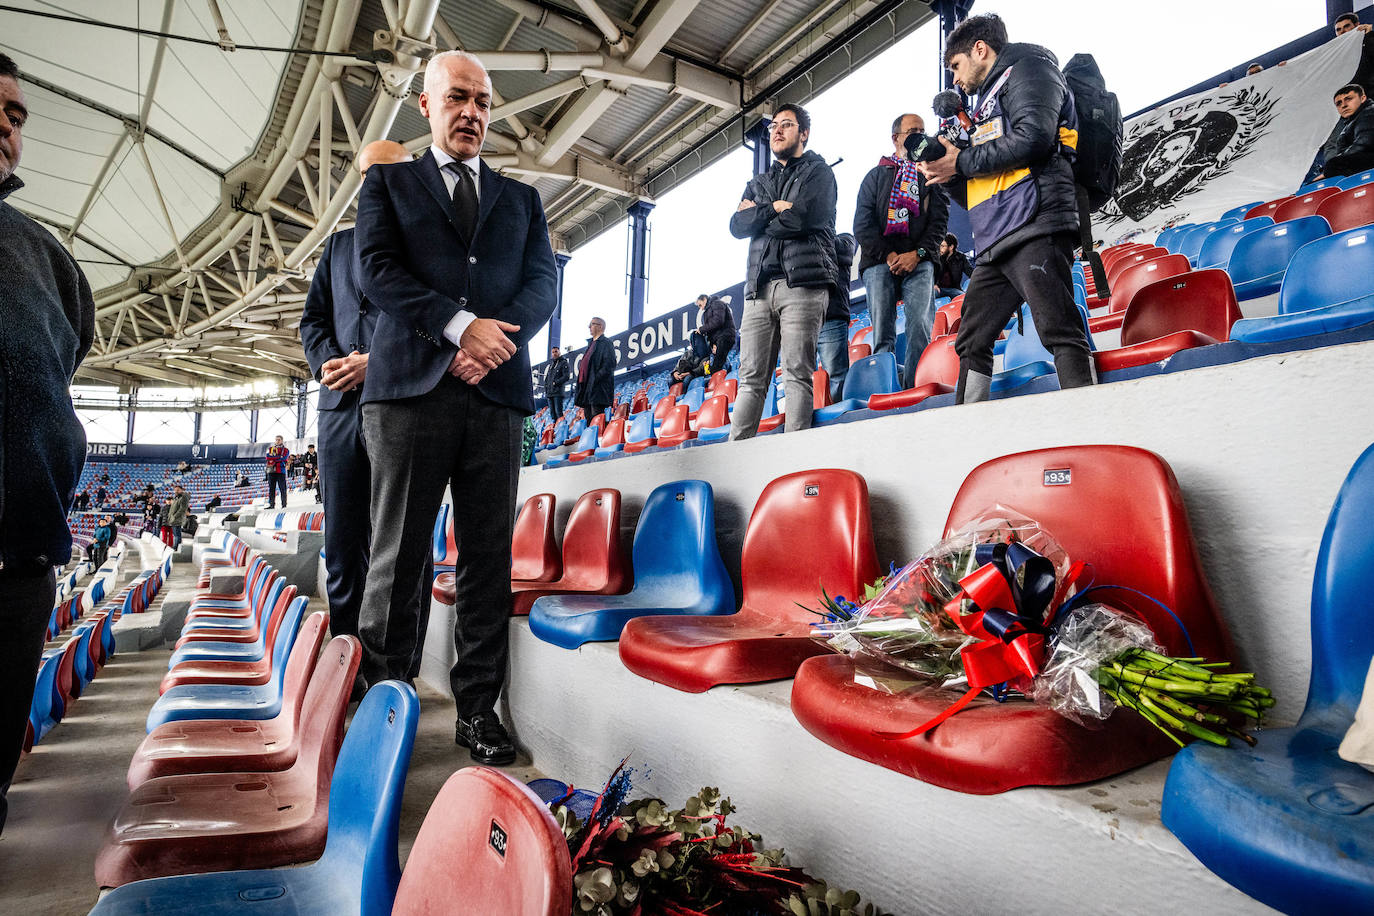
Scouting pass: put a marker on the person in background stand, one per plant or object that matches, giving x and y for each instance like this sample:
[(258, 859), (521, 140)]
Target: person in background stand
[(177, 509), (833, 343), (788, 216), (152, 515), (1018, 179), (83, 501), (336, 332), (47, 323), (1351, 150), (951, 268), (1364, 72), (900, 221), (278, 460), (556, 375), (104, 536), (718, 327), (101, 497), (595, 388), (310, 468)]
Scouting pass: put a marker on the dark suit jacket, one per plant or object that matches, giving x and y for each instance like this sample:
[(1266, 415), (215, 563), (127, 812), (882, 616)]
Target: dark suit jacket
[(420, 272), (599, 388), (336, 320)]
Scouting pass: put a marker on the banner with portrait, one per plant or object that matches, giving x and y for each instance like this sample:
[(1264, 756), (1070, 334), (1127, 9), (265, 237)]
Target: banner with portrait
[(1253, 140)]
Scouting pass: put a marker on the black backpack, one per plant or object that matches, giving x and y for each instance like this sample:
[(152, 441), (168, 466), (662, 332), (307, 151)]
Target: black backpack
[(1097, 165)]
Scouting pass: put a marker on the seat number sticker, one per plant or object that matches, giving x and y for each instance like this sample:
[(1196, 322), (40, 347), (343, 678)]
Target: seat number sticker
[(1058, 477), (811, 489), (498, 839)]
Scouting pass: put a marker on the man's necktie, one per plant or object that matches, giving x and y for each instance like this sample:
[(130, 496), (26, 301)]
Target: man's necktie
[(464, 200)]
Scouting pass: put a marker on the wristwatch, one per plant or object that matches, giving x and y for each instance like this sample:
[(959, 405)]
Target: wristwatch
[(920, 254)]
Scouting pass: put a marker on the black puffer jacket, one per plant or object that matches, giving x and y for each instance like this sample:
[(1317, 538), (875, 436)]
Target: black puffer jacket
[(1036, 114), (805, 232), (1355, 138), (717, 322), (845, 246)]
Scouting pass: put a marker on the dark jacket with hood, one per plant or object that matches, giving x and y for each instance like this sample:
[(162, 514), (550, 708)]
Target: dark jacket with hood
[(555, 375), (1019, 170), (925, 231), (47, 322), (717, 322), (1354, 138), (838, 308), (803, 237)]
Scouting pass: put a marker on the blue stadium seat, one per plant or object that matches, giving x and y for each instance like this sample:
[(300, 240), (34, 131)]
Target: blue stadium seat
[(876, 374), (359, 870), (1316, 186), (1190, 245), (1289, 822), (1239, 212), (1260, 259), (219, 701), (1023, 346), (1354, 181), (1217, 247), (1329, 287), (695, 396), (1172, 235), (677, 570)]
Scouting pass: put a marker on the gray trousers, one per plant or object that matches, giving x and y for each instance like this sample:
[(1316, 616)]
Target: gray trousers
[(452, 436), (782, 321)]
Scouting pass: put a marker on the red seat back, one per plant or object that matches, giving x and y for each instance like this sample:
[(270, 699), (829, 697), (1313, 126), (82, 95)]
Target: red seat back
[(487, 845), (730, 388), (715, 381), (809, 531), (664, 405), (1201, 300), (1119, 509), (325, 699), (1116, 253), (613, 434), (1349, 209), (938, 363), (861, 335), (675, 421), (1130, 280), (593, 555), (859, 351), (675, 390), (300, 677), (640, 403), (714, 412), (534, 551), (599, 422), (820, 389), (1267, 208), (1122, 264), (1306, 205)]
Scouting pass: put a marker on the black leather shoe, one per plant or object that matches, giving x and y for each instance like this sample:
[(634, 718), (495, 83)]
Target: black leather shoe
[(486, 738)]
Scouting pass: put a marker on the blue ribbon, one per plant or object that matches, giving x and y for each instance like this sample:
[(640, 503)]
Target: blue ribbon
[(1081, 599), (1030, 577)]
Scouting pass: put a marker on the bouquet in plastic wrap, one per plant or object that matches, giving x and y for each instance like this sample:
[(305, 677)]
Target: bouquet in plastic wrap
[(991, 609)]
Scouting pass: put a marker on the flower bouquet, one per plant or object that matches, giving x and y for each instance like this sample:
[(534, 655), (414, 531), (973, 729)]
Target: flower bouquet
[(993, 608)]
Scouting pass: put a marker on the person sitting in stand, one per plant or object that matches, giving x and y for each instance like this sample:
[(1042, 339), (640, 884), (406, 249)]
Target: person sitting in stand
[(83, 501), (1351, 149), (950, 268), (215, 502), (243, 481)]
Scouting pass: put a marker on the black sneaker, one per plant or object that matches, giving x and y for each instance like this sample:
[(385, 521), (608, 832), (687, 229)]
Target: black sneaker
[(486, 738)]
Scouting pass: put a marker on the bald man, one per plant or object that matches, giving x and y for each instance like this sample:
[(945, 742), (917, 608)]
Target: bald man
[(336, 331)]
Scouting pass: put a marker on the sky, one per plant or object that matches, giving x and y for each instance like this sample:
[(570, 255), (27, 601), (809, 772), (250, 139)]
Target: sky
[(1144, 55)]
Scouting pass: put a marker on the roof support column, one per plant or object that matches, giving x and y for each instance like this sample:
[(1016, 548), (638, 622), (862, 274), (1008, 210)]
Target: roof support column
[(560, 259), (952, 12), (639, 259), (756, 141), (302, 408)]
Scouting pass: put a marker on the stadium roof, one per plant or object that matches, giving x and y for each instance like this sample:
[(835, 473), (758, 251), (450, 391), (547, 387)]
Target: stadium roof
[(186, 177)]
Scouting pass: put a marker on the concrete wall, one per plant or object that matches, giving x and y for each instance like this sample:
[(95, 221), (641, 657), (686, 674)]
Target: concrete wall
[(1259, 448)]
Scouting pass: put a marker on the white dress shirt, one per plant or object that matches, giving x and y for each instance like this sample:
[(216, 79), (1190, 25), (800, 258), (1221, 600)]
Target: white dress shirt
[(453, 331)]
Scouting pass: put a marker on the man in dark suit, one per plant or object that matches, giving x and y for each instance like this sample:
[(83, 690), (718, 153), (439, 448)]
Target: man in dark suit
[(595, 388), (457, 259), (336, 332)]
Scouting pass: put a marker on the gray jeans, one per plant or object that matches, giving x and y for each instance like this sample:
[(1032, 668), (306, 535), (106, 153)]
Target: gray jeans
[(781, 321)]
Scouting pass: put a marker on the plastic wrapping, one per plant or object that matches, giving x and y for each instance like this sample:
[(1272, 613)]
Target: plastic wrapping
[(906, 626), (1085, 638)]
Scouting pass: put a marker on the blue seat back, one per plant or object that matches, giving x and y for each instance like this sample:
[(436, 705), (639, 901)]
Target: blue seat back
[(560, 431), (676, 536), (1217, 247), (365, 795), (575, 429), (441, 535), (1329, 271), (1268, 251), (286, 640), (83, 668), (875, 374), (1172, 235), (641, 427), (1239, 212), (1023, 349), (1342, 640), (1190, 245), (587, 440), (1316, 186), (695, 396), (697, 383), (1354, 181)]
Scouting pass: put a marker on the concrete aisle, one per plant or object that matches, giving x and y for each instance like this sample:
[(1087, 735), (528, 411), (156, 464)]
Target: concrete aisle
[(68, 790)]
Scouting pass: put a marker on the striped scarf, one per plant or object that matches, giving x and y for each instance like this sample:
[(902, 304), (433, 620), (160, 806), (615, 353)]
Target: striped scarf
[(904, 203)]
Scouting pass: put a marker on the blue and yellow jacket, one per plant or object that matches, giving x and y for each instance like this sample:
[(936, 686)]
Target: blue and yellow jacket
[(1018, 171)]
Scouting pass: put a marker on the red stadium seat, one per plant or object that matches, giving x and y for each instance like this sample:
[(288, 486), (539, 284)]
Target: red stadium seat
[(1122, 513), (859, 351), (861, 335), (675, 429), (640, 403), (675, 390), (1349, 209), (490, 841), (936, 373), (255, 745), (820, 389), (1130, 259), (1306, 205), (621, 411), (205, 822), (594, 561), (715, 380), (1268, 208), (534, 551), (1130, 280), (714, 414), (665, 404), (1195, 309), (809, 531), (246, 673)]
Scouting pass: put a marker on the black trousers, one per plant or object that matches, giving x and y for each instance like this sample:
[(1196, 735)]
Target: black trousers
[(345, 477), (720, 351), (456, 437), (555, 405), (25, 606), (1038, 273), (275, 481), (1348, 164)]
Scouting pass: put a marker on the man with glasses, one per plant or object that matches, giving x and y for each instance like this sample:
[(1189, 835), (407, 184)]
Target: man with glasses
[(900, 222), (595, 389), (788, 215)]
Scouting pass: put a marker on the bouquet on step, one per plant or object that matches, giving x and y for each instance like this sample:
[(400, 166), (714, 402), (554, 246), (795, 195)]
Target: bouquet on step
[(994, 609)]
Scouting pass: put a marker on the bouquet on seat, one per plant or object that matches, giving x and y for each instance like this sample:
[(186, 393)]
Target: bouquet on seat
[(995, 609)]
